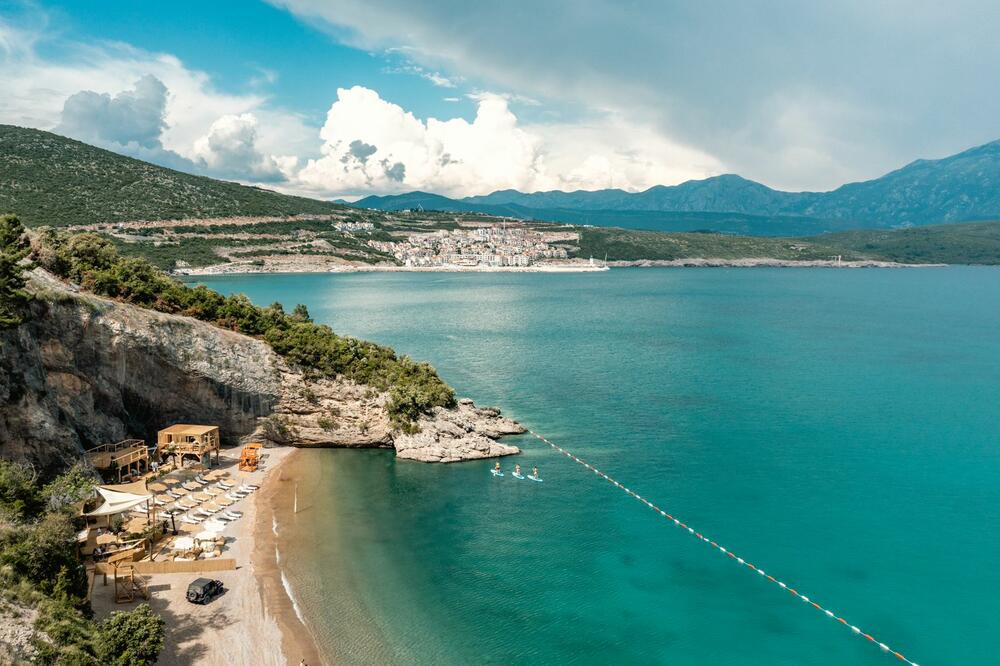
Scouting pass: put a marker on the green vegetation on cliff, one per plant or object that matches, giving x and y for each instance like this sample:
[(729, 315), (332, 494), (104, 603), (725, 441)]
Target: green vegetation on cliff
[(13, 249), (49, 179), (94, 263), (40, 570)]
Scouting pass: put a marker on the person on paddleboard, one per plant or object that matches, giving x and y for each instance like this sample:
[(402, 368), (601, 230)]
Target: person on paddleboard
[(534, 472), (496, 468), (517, 469)]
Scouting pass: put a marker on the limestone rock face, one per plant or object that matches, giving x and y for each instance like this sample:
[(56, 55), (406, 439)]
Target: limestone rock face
[(85, 370), (463, 433)]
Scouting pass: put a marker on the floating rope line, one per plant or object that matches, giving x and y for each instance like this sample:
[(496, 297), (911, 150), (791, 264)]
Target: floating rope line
[(677, 522)]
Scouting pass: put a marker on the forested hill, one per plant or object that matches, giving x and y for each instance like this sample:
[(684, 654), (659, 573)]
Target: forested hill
[(49, 179)]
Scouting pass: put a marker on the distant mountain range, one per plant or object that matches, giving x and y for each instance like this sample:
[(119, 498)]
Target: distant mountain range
[(959, 188)]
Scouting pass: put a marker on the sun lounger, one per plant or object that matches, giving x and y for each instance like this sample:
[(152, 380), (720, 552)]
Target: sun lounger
[(233, 495), (191, 520), (224, 484), (230, 516), (238, 514), (174, 495)]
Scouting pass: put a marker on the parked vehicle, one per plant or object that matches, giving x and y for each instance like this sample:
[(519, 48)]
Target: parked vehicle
[(203, 590)]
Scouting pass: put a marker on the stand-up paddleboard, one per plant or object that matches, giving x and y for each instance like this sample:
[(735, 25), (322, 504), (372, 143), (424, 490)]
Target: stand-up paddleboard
[(535, 478), (517, 476), (496, 473)]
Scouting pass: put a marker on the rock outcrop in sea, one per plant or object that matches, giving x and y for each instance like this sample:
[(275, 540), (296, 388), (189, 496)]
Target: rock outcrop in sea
[(85, 370)]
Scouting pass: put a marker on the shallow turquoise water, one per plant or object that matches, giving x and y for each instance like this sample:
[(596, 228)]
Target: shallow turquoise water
[(837, 428)]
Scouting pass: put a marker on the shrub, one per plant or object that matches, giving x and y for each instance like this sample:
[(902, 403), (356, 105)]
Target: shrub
[(19, 497), (131, 638)]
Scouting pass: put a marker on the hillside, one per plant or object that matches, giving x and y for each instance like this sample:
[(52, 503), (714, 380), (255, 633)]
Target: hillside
[(47, 179), (961, 187), (965, 243)]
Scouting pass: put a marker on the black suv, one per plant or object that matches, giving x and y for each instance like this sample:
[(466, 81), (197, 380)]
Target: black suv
[(203, 590)]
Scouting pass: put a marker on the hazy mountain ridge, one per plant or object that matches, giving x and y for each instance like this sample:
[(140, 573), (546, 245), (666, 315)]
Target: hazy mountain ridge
[(962, 187)]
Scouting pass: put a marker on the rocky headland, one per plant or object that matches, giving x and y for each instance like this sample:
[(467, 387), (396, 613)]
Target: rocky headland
[(84, 370)]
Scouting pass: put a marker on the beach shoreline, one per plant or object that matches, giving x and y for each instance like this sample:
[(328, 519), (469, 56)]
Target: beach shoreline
[(297, 641)]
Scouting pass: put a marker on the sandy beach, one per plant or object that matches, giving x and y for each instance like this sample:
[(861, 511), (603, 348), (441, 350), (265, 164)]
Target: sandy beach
[(254, 622)]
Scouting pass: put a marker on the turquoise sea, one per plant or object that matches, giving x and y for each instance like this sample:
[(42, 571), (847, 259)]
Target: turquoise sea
[(839, 428)]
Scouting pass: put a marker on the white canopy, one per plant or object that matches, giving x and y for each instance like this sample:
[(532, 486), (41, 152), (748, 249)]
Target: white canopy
[(206, 535), (117, 500), (183, 543)]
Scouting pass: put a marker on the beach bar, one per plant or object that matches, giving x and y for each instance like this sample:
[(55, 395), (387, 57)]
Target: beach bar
[(184, 439)]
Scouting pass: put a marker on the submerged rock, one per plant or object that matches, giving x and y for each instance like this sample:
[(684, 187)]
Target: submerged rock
[(86, 370)]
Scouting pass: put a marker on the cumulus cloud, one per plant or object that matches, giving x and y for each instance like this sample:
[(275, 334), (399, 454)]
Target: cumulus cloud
[(132, 116), (230, 150), (128, 122), (370, 144)]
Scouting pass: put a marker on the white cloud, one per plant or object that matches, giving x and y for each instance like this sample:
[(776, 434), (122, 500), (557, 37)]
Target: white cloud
[(230, 148), (374, 145)]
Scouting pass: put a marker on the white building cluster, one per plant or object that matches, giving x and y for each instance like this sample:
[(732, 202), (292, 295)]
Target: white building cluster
[(354, 226), (484, 246)]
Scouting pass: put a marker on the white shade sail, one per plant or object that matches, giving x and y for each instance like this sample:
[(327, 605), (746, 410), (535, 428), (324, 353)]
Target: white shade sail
[(117, 500)]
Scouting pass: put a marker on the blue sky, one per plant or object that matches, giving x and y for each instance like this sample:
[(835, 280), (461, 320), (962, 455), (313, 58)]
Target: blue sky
[(349, 97)]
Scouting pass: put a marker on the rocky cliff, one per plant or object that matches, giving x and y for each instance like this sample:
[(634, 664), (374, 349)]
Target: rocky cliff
[(85, 370)]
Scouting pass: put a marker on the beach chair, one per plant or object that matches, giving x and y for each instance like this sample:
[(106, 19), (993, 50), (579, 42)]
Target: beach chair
[(171, 493), (234, 512), (224, 484), (200, 479), (212, 492), (228, 515), (233, 495), (191, 520)]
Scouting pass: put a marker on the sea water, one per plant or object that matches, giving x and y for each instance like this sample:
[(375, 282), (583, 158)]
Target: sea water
[(838, 428)]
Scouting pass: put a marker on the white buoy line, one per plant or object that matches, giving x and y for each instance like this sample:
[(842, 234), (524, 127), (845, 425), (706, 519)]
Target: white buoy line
[(739, 560)]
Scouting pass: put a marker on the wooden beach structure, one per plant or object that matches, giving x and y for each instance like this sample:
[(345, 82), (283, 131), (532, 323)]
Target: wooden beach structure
[(249, 458), (122, 459), (184, 439)]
